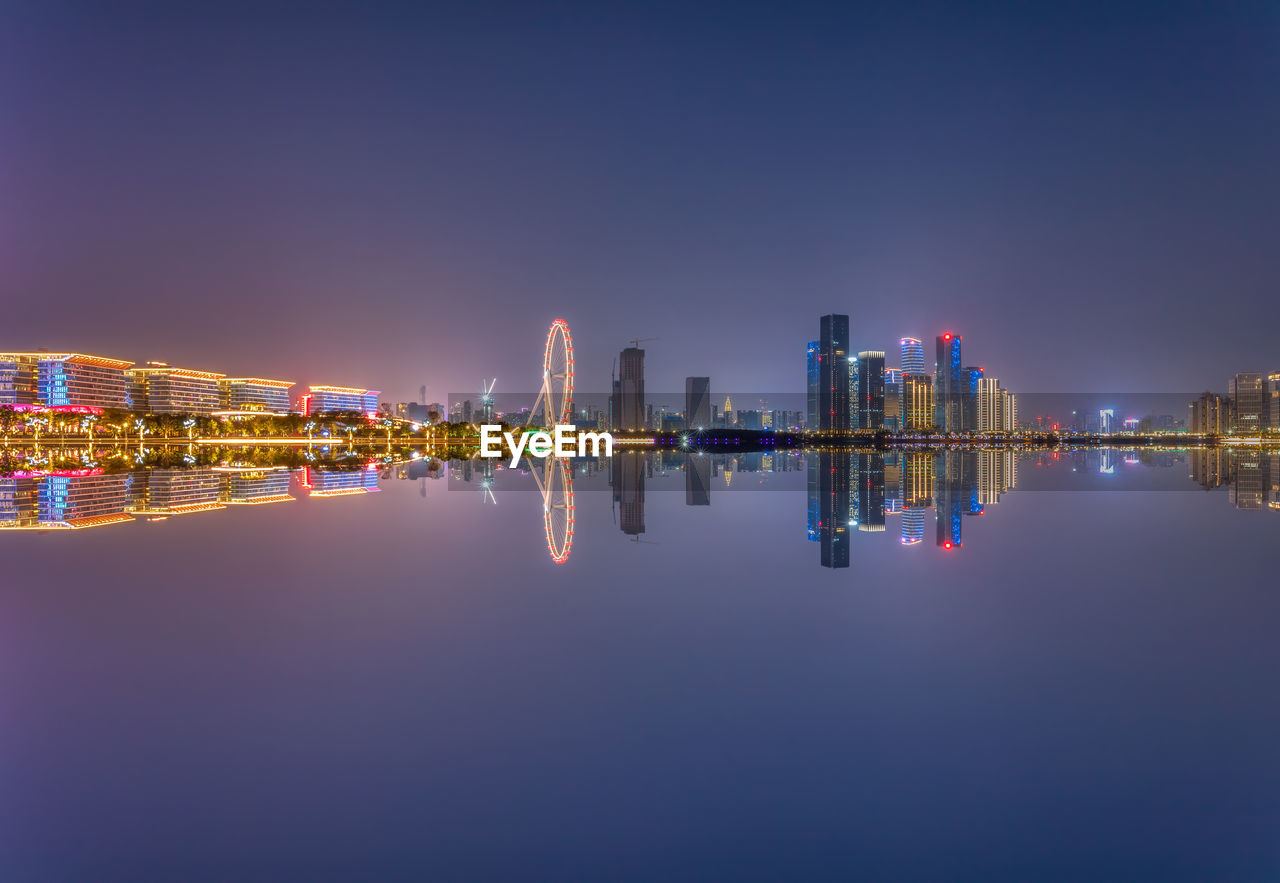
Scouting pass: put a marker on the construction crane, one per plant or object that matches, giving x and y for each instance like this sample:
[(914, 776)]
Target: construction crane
[(636, 341)]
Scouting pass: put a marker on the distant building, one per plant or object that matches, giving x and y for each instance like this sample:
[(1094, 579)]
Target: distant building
[(912, 356), (324, 399), (871, 389), (917, 402), (811, 376), (254, 394), (950, 385), (833, 374), (1106, 421), (1210, 414), (63, 379), (697, 402), (1248, 404)]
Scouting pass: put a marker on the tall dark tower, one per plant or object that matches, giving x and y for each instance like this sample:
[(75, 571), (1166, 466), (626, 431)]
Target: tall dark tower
[(950, 385), (811, 376), (870, 389), (833, 374), (630, 412), (833, 508)]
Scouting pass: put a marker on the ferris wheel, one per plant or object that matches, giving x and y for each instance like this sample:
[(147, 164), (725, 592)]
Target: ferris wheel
[(556, 484), (556, 397)]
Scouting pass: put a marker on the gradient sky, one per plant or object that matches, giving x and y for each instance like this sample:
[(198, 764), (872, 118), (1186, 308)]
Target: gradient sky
[(333, 193)]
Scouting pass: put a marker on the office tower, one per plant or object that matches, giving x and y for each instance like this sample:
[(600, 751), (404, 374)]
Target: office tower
[(814, 511), (972, 377), (870, 492), (892, 399), (952, 499), (63, 379), (1009, 404), (630, 413), (254, 394), (697, 402), (1248, 404), (833, 503), (627, 479), (1271, 393), (853, 392), (912, 356), (870, 367), (950, 385), (833, 373), (917, 402), (326, 399), (160, 388), (1106, 421), (697, 480), (811, 375), (1249, 480)]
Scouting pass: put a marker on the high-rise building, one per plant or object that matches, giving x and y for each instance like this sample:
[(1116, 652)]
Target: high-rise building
[(997, 409), (160, 388), (892, 399), (869, 491), (917, 402), (1106, 421), (63, 379), (628, 471), (629, 411), (324, 399), (833, 508), (1248, 404), (811, 376), (1271, 394), (1210, 414), (697, 402), (871, 389), (254, 394), (697, 480), (972, 376), (912, 356), (950, 385), (833, 373)]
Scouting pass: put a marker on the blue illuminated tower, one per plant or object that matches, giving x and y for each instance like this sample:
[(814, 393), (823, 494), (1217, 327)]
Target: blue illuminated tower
[(912, 355)]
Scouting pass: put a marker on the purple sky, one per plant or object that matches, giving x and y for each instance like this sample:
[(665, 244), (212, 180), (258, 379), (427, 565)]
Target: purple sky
[(1089, 194)]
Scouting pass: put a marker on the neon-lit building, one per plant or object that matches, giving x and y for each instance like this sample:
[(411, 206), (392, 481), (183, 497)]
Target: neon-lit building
[(912, 355), (254, 486), (63, 379), (870, 402), (254, 394), (951, 385), (159, 388), (917, 401), (341, 484), (72, 500), (322, 399)]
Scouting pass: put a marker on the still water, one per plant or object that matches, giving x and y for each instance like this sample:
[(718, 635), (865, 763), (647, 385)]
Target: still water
[(1010, 667)]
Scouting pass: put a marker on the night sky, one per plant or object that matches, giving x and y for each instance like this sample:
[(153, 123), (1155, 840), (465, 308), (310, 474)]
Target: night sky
[(1089, 193)]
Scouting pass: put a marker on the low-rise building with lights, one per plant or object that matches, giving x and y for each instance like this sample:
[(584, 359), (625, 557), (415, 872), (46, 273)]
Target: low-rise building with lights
[(254, 395), (324, 399), (63, 379), (160, 388)]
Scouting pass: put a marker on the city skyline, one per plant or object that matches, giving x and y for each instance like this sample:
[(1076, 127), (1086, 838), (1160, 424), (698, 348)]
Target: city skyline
[(990, 185)]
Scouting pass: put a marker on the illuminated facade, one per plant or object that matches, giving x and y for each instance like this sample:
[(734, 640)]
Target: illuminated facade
[(323, 399), (254, 487), (169, 492), (870, 405), (341, 484), (1210, 414), (64, 500), (997, 408), (254, 394), (951, 385), (811, 382), (1272, 394), (158, 388), (917, 402), (912, 355), (63, 379), (892, 398), (833, 374)]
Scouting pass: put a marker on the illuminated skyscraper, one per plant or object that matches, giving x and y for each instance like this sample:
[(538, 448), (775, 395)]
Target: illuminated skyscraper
[(950, 385), (972, 377), (912, 356), (833, 508), (1272, 395), (917, 401), (811, 376), (870, 366), (1106, 421), (892, 399), (833, 374), (1210, 414)]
